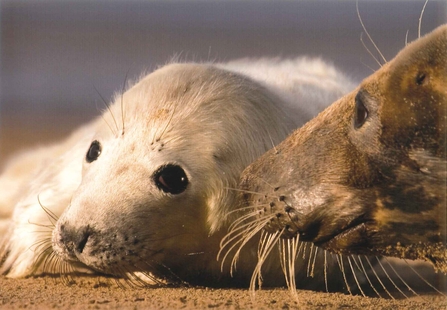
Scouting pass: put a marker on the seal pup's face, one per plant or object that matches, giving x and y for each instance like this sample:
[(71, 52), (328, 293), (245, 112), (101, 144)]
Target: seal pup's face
[(156, 177), (368, 175)]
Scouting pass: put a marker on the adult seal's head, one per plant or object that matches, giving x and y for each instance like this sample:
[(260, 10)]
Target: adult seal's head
[(368, 175)]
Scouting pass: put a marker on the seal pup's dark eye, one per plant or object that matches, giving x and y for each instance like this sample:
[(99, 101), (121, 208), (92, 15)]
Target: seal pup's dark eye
[(93, 152), (171, 179), (361, 113)]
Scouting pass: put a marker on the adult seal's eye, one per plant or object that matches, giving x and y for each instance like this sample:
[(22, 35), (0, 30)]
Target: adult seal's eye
[(93, 152), (171, 179), (361, 113)]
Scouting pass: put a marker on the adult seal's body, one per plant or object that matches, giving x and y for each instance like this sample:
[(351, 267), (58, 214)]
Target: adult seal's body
[(368, 175), (145, 191)]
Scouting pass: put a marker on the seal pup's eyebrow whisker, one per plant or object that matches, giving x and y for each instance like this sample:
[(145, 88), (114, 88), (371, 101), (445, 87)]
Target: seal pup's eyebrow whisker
[(367, 33), (122, 101), (154, 138), (110, 111)]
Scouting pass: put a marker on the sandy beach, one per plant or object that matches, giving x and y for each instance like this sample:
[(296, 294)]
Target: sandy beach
[(102, 293)]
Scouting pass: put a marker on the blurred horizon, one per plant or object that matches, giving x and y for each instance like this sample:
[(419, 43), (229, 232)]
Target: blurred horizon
[(53, 54)]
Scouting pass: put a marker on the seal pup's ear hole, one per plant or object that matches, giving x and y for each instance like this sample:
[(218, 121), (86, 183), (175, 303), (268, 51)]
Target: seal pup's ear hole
[(171, 179), (360, 112), (93, 152)]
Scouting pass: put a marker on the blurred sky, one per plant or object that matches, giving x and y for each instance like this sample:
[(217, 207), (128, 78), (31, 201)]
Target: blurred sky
[(53, 54)]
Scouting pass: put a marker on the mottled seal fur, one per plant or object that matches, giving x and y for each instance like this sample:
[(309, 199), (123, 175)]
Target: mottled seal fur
[(145, 190), (368, 175)]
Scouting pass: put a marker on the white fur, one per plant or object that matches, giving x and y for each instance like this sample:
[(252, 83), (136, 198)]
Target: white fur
[(55, 176)]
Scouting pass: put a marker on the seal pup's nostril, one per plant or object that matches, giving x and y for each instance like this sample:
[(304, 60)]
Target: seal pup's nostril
[(82, 242), (82, 239), (73, 240)]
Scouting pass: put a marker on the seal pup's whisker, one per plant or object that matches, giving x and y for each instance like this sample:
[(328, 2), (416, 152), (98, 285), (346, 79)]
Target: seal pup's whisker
[(104, 101), (157, 139), (122, 101), (52, 217)]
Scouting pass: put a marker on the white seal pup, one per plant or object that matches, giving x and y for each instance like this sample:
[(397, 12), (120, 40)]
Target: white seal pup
[(147, 187)]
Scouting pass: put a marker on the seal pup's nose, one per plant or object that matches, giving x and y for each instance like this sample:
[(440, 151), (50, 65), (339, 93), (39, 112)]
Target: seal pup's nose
[(71, 241)]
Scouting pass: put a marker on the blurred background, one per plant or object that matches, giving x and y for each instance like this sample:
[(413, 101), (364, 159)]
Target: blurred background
[(53, 54)]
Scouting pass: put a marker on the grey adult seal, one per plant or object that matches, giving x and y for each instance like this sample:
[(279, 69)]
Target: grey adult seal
[(367, 175)]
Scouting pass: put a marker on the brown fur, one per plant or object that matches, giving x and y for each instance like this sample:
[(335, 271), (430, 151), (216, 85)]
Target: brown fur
[(376, 187)]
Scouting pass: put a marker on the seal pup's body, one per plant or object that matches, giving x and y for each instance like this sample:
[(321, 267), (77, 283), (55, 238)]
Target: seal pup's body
[(367, 175), (146, 187)]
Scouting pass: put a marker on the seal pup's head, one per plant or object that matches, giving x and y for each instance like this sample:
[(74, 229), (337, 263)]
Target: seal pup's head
[(155, 189), (367, 175)]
